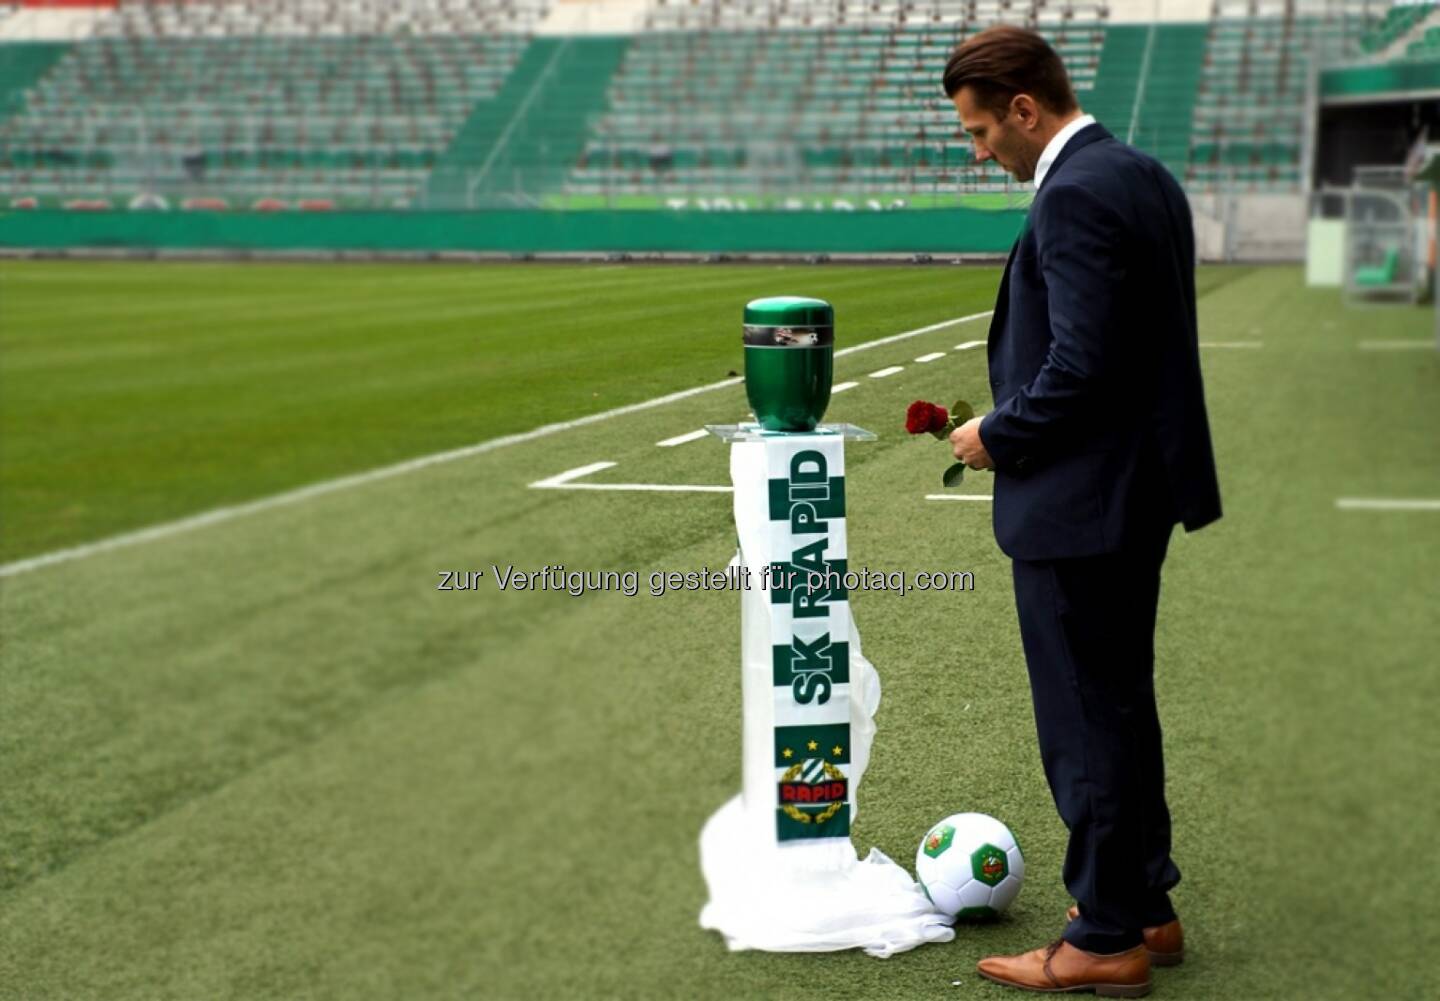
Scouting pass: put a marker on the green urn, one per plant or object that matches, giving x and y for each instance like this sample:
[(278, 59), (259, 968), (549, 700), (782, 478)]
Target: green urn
[(789, 359)]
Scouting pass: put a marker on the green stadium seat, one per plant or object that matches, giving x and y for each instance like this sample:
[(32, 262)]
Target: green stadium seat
[(1380, 274)]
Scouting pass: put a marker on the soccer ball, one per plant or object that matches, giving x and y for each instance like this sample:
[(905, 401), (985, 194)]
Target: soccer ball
[(970, 866)]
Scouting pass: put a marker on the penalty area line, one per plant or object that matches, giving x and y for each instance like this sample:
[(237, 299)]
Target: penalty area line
[(681, 439), (560, 479), (221, 515), (566, 481)]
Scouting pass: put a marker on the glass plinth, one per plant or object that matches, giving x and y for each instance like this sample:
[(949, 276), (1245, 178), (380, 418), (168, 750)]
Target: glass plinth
[(754, 432)]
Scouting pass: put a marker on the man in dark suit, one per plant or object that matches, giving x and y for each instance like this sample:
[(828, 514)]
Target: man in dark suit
[(1100, 445)]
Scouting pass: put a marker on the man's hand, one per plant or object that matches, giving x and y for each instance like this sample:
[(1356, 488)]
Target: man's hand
[(969, 449)]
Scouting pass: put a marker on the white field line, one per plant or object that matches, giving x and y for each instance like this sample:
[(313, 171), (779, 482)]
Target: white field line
[(842, 387), (886, 372), (1231, 344), (566, 481), (932, 356), (681, 439), (914, 333), (560, 479), (967, 345), (1395, 345), (220, 515), (659, 488), (959, 497), (1386, 504)]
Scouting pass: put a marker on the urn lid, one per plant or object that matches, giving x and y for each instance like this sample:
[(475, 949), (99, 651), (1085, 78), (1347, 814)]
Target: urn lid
[(789, 311)]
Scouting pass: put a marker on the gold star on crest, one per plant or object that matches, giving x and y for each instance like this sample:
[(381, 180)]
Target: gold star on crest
[(813, 745), (837, 750), (787, 753)]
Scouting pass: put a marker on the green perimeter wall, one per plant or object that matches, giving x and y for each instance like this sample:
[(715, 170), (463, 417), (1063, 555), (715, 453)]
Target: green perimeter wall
[(1394, 81), (520, 230)]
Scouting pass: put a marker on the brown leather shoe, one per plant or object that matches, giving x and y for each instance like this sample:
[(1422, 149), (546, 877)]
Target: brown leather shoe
[(1060, 968), (1165, 943)]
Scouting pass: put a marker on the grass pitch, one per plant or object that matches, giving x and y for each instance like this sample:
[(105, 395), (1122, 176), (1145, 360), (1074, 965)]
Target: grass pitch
[(266, 759)]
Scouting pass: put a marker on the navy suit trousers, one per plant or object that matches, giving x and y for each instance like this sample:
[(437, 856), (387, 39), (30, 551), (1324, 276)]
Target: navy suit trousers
[(1088, 628)]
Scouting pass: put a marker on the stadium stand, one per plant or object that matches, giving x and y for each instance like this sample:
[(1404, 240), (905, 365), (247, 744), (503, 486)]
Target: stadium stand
[(1427, 46), (694, 111), (467, 104), (1250, 116), (1398, 21), (24, 63), (851, 107), (519, 145), (229, 104), (317, 18), (352, 118), (1167, 93)]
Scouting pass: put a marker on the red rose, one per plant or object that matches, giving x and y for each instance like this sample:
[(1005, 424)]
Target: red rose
[(927, 418), (923, 418), (917, 418)]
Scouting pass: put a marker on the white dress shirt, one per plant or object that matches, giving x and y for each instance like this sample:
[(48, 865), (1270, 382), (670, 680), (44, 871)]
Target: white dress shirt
[(1055, 145)]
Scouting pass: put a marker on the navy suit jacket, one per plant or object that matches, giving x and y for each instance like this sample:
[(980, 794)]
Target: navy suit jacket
[(1099, 432)]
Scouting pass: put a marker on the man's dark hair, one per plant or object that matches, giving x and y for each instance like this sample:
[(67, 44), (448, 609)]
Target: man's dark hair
[(1003, 61)]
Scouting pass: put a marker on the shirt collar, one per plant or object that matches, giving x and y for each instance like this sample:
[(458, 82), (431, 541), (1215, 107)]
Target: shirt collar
[(1055, 145)]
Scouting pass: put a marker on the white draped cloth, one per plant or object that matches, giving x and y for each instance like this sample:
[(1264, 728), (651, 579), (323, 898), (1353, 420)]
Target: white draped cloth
[(787, 878)]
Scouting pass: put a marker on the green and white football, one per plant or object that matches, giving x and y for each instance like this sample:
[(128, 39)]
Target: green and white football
[(970, 866)]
